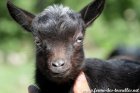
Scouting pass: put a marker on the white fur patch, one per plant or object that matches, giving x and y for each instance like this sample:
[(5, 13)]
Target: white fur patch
[(57, 9)]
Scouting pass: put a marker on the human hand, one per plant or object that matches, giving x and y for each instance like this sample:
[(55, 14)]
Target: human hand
[(33, 89), (81, 85)]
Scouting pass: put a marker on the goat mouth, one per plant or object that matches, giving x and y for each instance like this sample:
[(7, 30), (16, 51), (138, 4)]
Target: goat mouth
[(61, 74)]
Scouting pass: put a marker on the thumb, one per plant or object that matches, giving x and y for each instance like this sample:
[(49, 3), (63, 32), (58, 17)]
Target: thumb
[(33, 89)]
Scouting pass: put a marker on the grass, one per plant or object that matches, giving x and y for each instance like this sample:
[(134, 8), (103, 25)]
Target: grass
[(15, 79)]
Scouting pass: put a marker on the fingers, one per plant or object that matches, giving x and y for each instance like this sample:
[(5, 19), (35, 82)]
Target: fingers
[(33, 89), (81, 85)]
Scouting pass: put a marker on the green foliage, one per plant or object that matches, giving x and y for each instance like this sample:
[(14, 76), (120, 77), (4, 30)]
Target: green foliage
[(118, 24)]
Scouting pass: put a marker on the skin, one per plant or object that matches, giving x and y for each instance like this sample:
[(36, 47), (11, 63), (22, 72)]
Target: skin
[(80, 85)]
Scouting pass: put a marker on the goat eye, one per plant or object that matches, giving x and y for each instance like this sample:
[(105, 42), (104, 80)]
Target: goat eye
[(79, 39), (38, 43)]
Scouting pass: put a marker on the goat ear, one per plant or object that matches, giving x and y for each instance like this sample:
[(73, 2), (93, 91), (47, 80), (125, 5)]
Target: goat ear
[(92, 11), (22, 17)]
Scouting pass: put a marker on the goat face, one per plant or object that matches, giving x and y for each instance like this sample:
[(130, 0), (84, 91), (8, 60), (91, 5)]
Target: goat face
[(58, 32)]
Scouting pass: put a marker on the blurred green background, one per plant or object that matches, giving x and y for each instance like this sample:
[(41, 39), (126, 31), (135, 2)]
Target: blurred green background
[(118, 24)]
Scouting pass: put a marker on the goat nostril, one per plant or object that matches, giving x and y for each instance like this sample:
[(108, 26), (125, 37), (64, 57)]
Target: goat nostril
[(55, 64), (58, 64)]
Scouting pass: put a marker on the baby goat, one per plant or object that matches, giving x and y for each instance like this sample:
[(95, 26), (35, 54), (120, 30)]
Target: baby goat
[(59, 33)]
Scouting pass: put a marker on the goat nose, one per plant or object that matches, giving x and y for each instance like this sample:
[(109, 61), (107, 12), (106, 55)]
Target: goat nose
[(58, 63)]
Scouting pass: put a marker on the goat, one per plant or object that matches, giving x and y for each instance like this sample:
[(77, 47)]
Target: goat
[(125, 52), (59, 32)]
